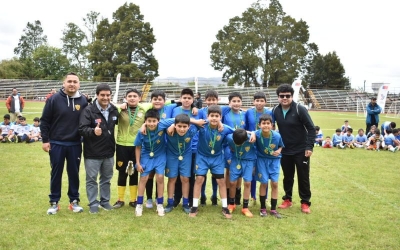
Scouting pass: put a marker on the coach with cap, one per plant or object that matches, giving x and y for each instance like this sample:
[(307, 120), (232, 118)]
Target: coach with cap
[(373, 111)]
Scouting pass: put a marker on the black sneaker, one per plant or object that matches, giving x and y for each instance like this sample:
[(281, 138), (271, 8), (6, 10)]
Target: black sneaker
[(203, 201), (133, 203), (193, 211), (214, 201), (226, 213), (119, 204)]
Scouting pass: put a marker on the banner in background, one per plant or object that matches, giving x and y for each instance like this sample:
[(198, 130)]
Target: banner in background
[(296, 86), (382, 94)]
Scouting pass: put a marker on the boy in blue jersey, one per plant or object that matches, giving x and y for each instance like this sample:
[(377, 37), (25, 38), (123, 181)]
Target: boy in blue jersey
[(269, 145), (252, 117), (361, 139), (337, 139), (150, 155), (241, 166), (387, 125), (389, 140), (348, 138), (319, 136)]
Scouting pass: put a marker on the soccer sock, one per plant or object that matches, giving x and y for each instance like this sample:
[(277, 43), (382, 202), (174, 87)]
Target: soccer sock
[(253, 188), (273, 203), (245, 203), (149, 189), (121, 193), (170, 201), (133, 193), (231, 201), (185, 201), (140, 200), (224, 202), (160, 200), (262, 202), (195, 202), (214, 186)]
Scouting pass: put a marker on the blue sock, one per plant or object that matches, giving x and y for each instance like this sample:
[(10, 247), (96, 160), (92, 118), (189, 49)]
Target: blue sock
[(140, 200), (253, 187), (214, 187), (185, 201), (170, 201), (160, 200)]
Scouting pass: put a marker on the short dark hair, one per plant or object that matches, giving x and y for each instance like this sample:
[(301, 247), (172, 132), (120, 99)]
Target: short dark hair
[(392, 124), (283, 88), (328, 137), (152, 113), (350, 130), (264, 117), (361, 130), (211, 93), (133, 90), (338, 130), (234, 94), (377, 131), (259, 95), (22, 118), (214, 109), (36, 119), (157, 93), (395, 130), (239, 136), (187, 91), (6, 116), (103, 86), (70, 74), (182, 118), (317, 128)]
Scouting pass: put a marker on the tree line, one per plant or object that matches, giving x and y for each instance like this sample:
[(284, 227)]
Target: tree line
[(263, 46)]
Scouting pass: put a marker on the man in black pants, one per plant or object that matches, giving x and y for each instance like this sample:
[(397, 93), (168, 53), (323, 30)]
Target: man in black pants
[(298, 134)]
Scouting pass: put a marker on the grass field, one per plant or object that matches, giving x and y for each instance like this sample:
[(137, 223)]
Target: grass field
[(355, 205)]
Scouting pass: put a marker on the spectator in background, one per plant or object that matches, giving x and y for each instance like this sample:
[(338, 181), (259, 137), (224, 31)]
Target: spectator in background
[(345, 126), (15, 104), (373, 111), (52, 92), (198, 103), (319, 136)]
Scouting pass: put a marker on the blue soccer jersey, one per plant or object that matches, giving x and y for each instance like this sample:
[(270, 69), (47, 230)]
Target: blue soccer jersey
[(166, 111), (265, 146), (389, 140), (252, 118), (336, 139), (348, 138), (361, 139), (211, 140)]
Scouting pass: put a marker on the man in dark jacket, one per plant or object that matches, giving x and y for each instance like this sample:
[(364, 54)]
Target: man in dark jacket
[(298, 134), (61, 139), (96, 125)]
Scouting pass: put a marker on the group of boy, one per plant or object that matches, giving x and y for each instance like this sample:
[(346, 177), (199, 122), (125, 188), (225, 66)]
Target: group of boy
[(20, 130)]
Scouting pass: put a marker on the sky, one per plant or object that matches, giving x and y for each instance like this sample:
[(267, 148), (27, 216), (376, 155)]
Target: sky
[(364, 34)]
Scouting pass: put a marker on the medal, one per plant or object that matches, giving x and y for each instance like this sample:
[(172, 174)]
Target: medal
[(180, 157), (151, 154), (238, 166), (212, 152)]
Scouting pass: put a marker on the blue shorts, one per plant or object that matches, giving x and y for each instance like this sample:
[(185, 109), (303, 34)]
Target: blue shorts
[(245, 170), (268, 169), (177, 167), (150, 164), (215, 164)]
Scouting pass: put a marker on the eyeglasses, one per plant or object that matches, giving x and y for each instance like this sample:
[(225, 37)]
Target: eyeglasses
[(283, 96)]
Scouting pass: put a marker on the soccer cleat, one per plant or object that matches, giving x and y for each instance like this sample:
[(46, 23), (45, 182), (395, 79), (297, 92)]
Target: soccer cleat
[(53, 209), (94, 209), (193, 212), (231, 208), (305, 208), (149, 203), (129, 169), (106, 206), (286, 204), (186, 209), (214, 200), (351, 146), (275, 214), (263, 212), (203, 201), (133, 203), (160, 210), (74, 207), (119, 204), (139, 210), (246, 212), (226, 213), (168, 208)]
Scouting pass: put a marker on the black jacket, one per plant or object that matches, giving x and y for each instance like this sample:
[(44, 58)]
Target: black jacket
[(297, 129), (103, 146)]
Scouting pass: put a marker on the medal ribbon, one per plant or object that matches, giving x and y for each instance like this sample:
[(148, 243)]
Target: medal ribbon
[(151, 144), (239, 157), (131, 120), (233, 117), (256, 118), (184, 146), (212, 140), (269, 149)]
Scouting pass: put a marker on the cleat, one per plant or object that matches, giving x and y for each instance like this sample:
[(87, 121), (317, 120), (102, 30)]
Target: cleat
[(106, 206), (53, 209), (263, 212), (305, 208), (186, 209), (214, 200), (119, 204), (129, 169), (193, 212), (168, 208), (203, 201), (246, 212), (139, 210), (149, 203), (160, 210), (133, 203), (286, 204), (275, 214), (74, 207), (231, 208), (226, 213)]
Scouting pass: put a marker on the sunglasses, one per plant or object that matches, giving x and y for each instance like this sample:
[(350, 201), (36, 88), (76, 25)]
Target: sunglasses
[(283, 96)]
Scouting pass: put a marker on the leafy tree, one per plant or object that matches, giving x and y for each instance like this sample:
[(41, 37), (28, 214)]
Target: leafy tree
[(124, 46), (11, 69), (49, 63), (91, 22), (33, 38), (263, 44)]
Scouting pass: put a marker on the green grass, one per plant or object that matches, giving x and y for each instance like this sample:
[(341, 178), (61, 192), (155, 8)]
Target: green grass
[(355, 205)]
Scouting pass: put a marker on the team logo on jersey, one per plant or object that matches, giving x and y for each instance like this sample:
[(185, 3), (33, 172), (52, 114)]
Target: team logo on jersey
[(272, 146), (158, 141), (140, 114), (77, 107), (259, 175), (218, 138), (187, 140), (197, 167), (160, 133), (119, 163), (247, 149), (163, 115)]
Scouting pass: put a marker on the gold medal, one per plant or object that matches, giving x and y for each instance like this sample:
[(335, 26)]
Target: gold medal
[(151, 154), (212, 152), (238, 166), (180, 157)]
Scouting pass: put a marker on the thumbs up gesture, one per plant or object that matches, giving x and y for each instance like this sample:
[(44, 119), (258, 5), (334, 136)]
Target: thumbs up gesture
[(97, 129)]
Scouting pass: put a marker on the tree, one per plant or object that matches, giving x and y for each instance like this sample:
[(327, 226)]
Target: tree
[(91, 22), (263, 44), (32, 39), (49, 63), (75, 47), (124, 46), (11, 69)]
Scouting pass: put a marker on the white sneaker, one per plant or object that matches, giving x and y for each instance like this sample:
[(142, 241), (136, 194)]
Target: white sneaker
[(395, 149), (139, 210), (160, 210), (75, 207), (53, 209), (149, 203)]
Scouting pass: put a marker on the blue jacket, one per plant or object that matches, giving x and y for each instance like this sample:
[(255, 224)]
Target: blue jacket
[(373, 110)]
